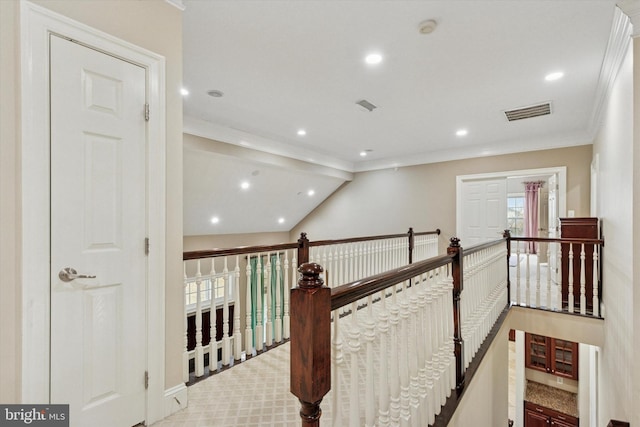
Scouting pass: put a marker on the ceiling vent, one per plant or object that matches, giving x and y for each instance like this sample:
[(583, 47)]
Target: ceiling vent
[(528, 112), (366, 104)]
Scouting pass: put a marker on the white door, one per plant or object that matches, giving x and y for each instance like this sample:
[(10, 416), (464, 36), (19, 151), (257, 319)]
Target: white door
[(98, 227), (484, 210)]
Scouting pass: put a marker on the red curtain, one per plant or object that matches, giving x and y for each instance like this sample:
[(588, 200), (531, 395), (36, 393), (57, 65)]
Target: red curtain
[(531, 221)]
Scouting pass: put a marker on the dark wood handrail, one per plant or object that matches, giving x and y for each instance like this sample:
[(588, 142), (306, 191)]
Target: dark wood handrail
[(368, 238), (243, 250), (240, 250), (353, 291), (481, 246), (572, 240)]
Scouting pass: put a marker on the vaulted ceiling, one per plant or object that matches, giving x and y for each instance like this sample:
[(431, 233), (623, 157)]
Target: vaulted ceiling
[(285, 66)]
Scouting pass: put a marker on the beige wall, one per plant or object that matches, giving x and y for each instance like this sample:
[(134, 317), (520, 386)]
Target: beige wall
[(485, 400), (10, 319), (424, 196), (221, 241), (614, 149), (154, 25)]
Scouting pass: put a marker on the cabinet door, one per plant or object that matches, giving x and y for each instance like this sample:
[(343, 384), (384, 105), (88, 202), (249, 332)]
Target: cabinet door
[(537, 355), (535, 419), (560, 423), (564, 358)]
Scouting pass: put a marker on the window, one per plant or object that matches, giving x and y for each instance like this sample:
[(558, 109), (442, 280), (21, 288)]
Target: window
[(208, 285), (515, 215)]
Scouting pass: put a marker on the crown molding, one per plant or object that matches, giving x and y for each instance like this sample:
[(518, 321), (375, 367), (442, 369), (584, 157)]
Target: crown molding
[(177, 4), (617, 47), (631, 8)]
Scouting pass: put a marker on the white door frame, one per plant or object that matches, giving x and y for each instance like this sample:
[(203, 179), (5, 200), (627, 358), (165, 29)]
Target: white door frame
[(561, 171), (37, 23)]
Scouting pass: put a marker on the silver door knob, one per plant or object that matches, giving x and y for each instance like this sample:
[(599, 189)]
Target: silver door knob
[(68, 274)]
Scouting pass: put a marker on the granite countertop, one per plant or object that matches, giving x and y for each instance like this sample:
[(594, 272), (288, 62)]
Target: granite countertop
[(552, 398)]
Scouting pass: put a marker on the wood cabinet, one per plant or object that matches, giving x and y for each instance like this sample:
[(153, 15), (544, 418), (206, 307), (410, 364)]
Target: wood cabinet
[(552, 355), (578, 228), (539, 416)]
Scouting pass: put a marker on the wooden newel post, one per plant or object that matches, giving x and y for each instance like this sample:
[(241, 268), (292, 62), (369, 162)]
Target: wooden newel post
[(303, 249), (310, 311), (457, 273), (507, 235)]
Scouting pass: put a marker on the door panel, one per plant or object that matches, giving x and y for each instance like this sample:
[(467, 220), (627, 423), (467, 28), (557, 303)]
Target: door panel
[(484, 210), (98, 227)]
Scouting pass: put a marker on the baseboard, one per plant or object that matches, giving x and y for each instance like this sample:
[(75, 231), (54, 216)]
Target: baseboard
[(175, 399)]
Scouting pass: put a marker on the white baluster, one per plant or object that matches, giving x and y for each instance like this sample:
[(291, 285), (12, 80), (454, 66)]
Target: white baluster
[(337, 360), (383, 395), (354, 348), (421, 348), (185, 351), (248, 331), (596, 280), (259, 331), (414, 391), (394, 377), (548, 307), (199, 358), (527, 277), (537, 280), (268, 301), (278, 316), (237, 335), (583, 282), (405, 412), (213, 318), (518, 273), (226, 341), (287, 288), (559, 278), (369, 337), (570, 278)]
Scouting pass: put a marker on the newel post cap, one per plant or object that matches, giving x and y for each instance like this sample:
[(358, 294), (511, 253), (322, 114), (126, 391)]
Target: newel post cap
[(310, 276)]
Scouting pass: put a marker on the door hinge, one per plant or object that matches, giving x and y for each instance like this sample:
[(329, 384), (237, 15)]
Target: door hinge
[(146, 112), (146, 246), (146, 380)]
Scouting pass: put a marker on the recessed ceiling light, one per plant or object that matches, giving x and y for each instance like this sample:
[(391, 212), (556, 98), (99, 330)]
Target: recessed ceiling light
[(184, 92), (244, 185), (215, 93), (363, 154), (462, 132), (554, 76), (280, 220), (373, 58), (302, 132), (215, 220), (310, 193)]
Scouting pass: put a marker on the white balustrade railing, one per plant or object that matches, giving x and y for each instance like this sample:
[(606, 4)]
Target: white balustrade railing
[(483, 297), (251, 290), (399, 367), (538, 280), (259, 301)]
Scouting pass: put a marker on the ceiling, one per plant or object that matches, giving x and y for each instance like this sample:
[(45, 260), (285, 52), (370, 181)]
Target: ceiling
[(289, 65)]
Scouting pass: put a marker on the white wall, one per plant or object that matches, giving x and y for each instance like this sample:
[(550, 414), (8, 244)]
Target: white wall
[(614, 146)]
